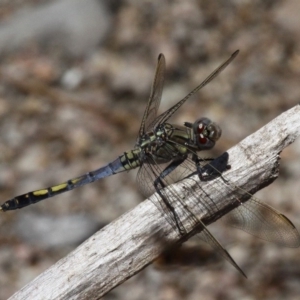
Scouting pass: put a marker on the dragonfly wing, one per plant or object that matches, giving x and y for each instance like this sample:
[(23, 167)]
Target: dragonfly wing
[(155, 95), (147, 175), (207, 237), (263, 221), (187, 168), (151, 170), (167, 114), (257, 218), (145, 179)]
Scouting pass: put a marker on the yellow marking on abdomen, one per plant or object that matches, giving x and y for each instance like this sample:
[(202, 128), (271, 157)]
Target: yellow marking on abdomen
[(55, 188), (39, 192), (59, 187), (74, 181)]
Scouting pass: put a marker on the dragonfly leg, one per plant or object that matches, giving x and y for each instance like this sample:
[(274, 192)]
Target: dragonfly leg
[(203, 175), (159, 185), (208, 171)]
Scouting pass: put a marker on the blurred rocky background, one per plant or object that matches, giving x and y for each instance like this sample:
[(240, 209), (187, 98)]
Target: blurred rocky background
[(75, 77)]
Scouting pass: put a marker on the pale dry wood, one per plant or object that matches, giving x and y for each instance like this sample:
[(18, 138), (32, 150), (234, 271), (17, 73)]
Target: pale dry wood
[(127, 245)]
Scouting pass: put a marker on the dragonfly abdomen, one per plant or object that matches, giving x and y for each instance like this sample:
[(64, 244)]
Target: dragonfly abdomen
[(21, 201), (36, 196)]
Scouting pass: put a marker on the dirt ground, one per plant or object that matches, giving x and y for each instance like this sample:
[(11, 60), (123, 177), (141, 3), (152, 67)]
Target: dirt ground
[(75, 79)]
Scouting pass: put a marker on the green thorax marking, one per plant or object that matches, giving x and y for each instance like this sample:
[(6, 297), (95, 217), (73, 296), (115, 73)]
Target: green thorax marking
[(166, 143)]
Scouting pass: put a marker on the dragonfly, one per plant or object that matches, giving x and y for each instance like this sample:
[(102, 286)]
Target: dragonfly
[(164, 151)]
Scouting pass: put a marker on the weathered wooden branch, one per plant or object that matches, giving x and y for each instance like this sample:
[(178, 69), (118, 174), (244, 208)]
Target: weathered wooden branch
[(127, 245)]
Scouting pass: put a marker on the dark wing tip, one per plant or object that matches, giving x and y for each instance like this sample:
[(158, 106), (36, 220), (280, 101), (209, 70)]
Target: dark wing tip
[(160, 56), (235, 53), (288, 220)]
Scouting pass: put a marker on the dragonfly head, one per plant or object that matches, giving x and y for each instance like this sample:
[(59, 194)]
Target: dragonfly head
[(206, 133)]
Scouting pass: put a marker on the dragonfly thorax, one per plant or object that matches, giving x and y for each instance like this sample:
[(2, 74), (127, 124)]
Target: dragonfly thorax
[(160, 143), (152, 140), (170, 141)]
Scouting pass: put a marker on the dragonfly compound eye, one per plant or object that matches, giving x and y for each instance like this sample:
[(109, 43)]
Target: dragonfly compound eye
[(214, 131), (206, 132), (202, 139)]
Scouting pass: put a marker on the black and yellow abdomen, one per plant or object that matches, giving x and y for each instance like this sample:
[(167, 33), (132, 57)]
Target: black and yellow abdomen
[(125, 162)]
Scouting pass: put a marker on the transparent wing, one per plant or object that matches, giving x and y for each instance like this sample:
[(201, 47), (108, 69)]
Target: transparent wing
[(263, 221), (155, 95), (207, 237), (254, 216), (167, 114), (146, 177), (148, 173), (145, 180)]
